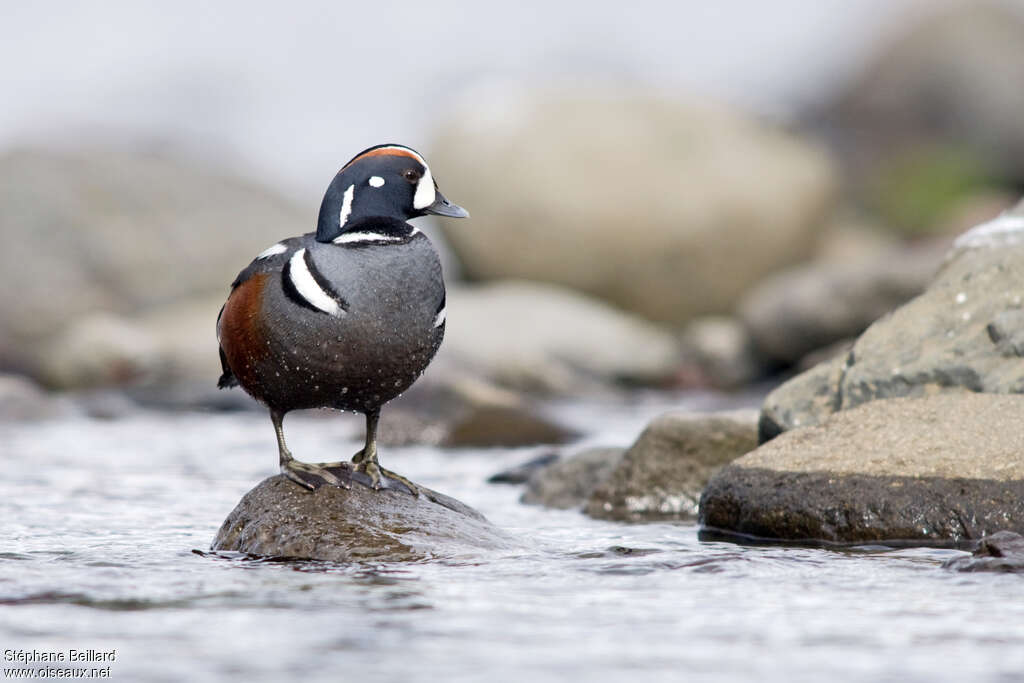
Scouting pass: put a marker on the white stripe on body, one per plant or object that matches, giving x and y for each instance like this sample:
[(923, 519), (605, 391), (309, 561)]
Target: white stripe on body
[(272, 250), (308, 288), (357, 237)]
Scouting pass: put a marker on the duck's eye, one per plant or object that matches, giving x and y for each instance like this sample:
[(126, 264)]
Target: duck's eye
[(411, 174)]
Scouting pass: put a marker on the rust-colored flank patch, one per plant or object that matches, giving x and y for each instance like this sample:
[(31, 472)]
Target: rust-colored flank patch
[(242, 326)]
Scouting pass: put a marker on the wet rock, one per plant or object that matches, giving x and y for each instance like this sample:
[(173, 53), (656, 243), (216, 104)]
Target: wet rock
[(112, 229), (943, 468), (541, 338), (279, 518), (520, 474), (807, 399), (662, 475), (610, 219), (1002, 551), (569, 483), (1007, 332), (958, 336), (808, 307), (825, 354), (932, 117)]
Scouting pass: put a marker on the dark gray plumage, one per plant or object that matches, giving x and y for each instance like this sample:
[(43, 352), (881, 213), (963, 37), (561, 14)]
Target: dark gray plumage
[(347, 317)]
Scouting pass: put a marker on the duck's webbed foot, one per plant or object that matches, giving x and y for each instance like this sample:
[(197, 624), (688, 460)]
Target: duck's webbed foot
[(377, 475), (314, 475), (308, 475)]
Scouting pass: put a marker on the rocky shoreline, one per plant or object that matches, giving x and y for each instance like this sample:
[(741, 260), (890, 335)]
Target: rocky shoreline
[(905, 436), (829, 259)]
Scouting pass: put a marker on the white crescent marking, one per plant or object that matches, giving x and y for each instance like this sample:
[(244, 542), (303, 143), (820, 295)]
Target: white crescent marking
[(272, 250), (346, 206), (353, 237), (425, 194), (307, 287)]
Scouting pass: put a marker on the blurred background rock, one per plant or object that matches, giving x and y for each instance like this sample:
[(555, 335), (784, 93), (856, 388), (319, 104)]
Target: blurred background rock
[(674, 196)]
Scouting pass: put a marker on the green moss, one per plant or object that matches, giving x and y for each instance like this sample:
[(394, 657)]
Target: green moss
[(916, 190)]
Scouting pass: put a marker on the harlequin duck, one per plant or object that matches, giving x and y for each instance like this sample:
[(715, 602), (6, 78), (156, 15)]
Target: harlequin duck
[(347, 317)]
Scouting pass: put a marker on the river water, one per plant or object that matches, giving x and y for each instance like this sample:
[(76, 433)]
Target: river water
[(105, 527)]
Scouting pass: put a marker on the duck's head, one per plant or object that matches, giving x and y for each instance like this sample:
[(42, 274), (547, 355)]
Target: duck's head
[(390, 181)]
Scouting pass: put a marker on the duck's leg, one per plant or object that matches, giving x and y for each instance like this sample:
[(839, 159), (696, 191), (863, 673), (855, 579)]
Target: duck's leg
[(304, 474), (366, 459)]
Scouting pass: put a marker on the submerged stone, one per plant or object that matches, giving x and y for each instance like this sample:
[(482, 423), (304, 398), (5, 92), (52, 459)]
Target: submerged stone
[(662, 475), (279, 518), (520, 474), (569, 483), (1003, 551)]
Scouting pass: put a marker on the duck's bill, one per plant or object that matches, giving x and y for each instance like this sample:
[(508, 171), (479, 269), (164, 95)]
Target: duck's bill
[(443, 207)]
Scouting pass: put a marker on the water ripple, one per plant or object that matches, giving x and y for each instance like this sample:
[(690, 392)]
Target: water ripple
[(113, 554)]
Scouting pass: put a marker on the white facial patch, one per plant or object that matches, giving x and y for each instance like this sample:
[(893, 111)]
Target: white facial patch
[(307, 286), (272, 250), (376, 181), (425, 194), (346, 205), (439, 318), (357, 237)]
